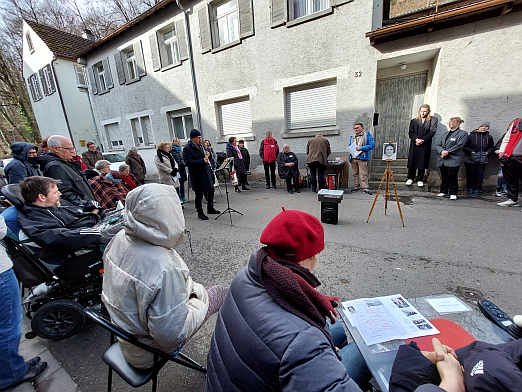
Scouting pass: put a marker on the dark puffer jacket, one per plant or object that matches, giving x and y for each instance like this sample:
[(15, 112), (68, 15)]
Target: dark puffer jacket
[(20, 167), (286, 171), (259, 346), (239, 163)]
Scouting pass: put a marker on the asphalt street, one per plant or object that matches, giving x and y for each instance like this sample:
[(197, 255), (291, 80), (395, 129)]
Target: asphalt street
[(446, 246)]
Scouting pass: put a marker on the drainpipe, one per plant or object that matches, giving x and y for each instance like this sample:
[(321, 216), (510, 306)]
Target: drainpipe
[(61, 100), (192, 69)]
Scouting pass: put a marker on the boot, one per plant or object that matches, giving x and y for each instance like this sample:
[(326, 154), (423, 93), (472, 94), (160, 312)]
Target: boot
[(237, 189), (244, 187), (202, 216), (210, 205)]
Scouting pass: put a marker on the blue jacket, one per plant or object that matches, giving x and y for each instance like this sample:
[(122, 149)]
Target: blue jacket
[(20, 167), (370, 145), (259, 346)]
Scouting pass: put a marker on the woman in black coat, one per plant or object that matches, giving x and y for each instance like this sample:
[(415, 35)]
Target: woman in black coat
[(478, 147), (288, 168), (239, 163)]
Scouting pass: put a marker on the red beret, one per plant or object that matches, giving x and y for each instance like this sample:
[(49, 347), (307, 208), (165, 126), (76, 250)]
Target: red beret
[(296, 235)]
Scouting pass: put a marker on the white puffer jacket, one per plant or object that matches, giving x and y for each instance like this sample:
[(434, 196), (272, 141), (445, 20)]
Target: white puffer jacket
[(146, 284)]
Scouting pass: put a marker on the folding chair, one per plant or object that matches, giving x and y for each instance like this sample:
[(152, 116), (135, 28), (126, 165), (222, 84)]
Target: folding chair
[(115, 360)]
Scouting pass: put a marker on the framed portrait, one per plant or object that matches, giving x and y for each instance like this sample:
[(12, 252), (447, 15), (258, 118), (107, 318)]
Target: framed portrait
[(389, 151)]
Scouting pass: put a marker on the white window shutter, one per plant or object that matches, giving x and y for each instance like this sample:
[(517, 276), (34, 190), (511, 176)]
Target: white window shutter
[(235, 117), (182, 39), (52, 87), (140, 61), (43, 81), (311, 106), (153, 42), (278, 12), (119, 68), (108, 74), (92, 80), (204, 30), (246, 18)]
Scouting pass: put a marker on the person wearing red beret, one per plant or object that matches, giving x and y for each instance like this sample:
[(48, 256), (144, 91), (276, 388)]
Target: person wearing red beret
[(272, 332)]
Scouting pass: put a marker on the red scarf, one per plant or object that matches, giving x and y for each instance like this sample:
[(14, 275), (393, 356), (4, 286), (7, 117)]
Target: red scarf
[(514, 138), (129, 182)]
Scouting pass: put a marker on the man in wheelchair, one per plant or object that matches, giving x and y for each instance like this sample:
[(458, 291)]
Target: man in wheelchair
[(58, 228)]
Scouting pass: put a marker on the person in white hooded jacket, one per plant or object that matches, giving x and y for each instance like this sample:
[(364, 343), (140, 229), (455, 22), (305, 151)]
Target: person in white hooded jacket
[(147, 288)]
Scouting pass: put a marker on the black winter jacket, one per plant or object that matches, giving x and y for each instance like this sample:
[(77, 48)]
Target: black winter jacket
[(21, 167), (200, 172), (73, 184), (59, 230), (246, 157), (285, 171), (478, 142), (239, 163)]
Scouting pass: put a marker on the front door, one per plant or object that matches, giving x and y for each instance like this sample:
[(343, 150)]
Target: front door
[(397, 101)]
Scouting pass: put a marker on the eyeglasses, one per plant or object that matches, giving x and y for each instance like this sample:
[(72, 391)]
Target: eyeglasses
[(68, 148)]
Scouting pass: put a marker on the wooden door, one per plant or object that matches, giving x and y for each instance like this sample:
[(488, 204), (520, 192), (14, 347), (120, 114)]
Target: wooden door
[(397, 102)]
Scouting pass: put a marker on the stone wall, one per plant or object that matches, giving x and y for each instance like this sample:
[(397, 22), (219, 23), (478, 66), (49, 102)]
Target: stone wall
[(401, 7)]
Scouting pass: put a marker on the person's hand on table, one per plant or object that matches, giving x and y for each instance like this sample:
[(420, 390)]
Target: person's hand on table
[(449, 368)]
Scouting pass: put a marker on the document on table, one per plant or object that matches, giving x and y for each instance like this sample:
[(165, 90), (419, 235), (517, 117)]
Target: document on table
[(352, 149), (382, 319), (448, 305)]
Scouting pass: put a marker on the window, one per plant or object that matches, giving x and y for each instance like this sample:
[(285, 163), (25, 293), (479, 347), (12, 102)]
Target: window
[(29, 42), (302, 8), (114, 137), (130, 65), (129, 61), (180, 123), (49, 79), (100, 73), (235, 116), (81, 80), (169, 51), (225, 23), (141, 131), (34, 87), (100, 77), (311, 106)]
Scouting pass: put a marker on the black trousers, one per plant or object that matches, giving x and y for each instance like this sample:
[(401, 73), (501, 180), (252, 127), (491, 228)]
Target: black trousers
[(242, 179), (512, 171), (292, 177), (317, 174), (475, 175), (418, 177), (450, 180), (270, 173), (199, 199)]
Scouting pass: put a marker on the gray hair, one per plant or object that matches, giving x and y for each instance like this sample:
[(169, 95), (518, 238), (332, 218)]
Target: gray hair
[(133, 149), (285, 146), (55, 141), (101, 164), (123, 167)]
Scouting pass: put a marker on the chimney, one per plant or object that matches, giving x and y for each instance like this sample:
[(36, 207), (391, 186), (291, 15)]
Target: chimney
[(87, 34)]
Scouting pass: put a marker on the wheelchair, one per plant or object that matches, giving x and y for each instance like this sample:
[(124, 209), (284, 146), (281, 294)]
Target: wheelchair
[(54, 296)]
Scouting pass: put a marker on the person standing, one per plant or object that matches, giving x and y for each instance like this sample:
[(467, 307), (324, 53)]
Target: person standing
[(317, 152), (167, 167), (422, 130), (246, 158), (288, 168), (92, 155), (268, 151), (478, 147), (200, 173), (364, 143), (207, 146), (175, 151), (450, 148), (510, 156), (24, 163), (239, 163), (136, 164)]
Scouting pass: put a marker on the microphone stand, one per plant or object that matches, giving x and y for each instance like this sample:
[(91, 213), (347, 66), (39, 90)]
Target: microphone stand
[(226, 165)]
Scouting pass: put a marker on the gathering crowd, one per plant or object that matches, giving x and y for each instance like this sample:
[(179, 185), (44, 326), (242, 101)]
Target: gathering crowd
[(290, 332)]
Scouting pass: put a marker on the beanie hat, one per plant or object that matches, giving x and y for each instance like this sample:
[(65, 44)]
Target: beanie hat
[(295, 235), (194, 133), (484, 124)]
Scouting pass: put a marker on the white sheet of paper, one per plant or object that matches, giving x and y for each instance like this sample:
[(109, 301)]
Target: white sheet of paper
[(448, 305), (352, 149)]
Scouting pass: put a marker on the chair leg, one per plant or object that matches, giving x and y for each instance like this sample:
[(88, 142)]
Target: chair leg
[(155, 382), (189, 362), (109, 380)]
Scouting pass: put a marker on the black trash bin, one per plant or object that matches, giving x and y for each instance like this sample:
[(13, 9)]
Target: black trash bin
[(330, 200)]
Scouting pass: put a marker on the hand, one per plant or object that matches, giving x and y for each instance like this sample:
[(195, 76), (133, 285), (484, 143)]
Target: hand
[(288, 164), (450, 370), (444, 154), (434, 357), (418, 142), (206, 159), (358, 148), (95, 211), (291, 164), (207, 154)]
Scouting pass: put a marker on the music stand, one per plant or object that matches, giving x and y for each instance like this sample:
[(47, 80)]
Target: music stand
[(226, 165)]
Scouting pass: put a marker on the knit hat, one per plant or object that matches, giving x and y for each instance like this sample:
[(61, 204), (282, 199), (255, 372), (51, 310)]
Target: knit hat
[(484, 124), (295, 235), (194, 133)]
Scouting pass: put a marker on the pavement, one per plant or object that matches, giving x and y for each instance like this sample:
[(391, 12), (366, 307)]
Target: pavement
[(468, 247)]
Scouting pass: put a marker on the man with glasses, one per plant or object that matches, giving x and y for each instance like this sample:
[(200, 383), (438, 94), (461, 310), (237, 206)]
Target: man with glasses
[(59, 164)]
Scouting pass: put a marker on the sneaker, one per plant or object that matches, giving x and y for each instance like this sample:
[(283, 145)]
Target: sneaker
[(507, 203), (409, 182), (453, 197), (367, 191), (498, 194), (420, 184), (441, 194)]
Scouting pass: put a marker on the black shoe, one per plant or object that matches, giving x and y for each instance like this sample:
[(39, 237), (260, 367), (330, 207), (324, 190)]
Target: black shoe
[(213, 211), (297, 190), (274, 186), (353, 190), (268, 186), (237, 189), (367, 191), (202, 216), (31, 374), (291, 191), (244, 187)]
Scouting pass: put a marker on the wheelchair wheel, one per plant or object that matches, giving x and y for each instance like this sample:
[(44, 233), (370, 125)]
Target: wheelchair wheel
[(58, 319)]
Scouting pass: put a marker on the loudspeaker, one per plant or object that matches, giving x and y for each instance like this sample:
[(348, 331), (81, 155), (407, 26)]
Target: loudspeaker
[(329, 212)]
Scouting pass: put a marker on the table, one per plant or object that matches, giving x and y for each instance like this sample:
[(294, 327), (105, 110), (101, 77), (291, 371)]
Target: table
[(337, 167), (380, 357)]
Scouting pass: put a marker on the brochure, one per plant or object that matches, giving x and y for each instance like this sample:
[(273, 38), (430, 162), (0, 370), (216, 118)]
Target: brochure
[(352, 149)]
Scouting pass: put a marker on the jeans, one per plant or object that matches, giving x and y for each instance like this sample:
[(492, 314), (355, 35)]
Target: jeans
[(317, 174), (418, 177), (449, 180), (181, 190), (351, 357), (270, 166), (12, 365)]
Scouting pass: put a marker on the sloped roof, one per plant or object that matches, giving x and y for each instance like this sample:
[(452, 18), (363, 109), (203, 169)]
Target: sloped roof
[(62, 44)]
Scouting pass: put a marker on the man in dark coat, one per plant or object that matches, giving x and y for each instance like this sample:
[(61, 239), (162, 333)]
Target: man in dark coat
[(422, 130), (59, 164), (200, 173), (136, 164), (92, 155), (24, 163)]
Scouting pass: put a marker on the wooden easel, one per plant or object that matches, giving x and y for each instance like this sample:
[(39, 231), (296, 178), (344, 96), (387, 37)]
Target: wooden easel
[(388, 177)]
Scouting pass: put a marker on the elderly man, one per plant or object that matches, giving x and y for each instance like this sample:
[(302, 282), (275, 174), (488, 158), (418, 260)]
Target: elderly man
[(364, 144), (107, 189), (317, 151), (59, 164), (24, 163), (92, 155), (289, 169)]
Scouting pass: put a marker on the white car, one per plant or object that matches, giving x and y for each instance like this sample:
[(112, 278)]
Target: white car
[(115, 158)]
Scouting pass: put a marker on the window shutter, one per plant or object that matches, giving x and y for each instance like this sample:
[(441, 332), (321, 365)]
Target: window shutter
[(119, 68), (311, 106), (163, 52), (153, 42), (31, 88), (278, 12), (140, 61), (108, 73), (182, 39), (235, 117), (92, 80), (38, 91), (51, 80), (42, 80), (204, 30), (246, 18)]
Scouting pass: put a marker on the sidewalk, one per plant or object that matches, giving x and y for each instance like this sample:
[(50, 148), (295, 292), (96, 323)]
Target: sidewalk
[(54, 378)]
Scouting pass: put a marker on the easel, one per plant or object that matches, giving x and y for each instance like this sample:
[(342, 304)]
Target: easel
[(388, 177), (227, 163)]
